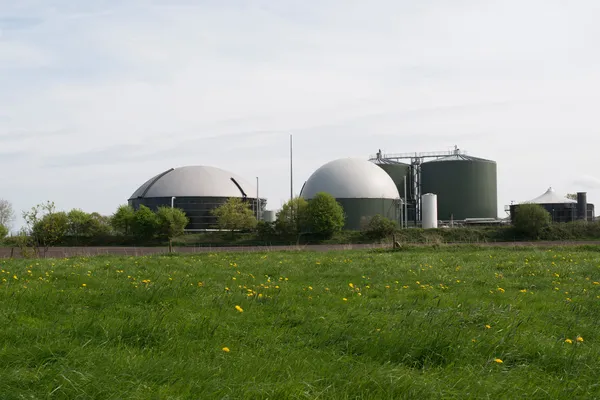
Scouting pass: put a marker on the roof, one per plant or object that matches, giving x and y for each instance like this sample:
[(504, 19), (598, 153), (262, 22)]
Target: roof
[(195, 181), (387, 161), (351, 178), (460, 157), (550, 197)]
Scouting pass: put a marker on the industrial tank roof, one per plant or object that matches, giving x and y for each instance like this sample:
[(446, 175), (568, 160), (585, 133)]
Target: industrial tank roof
[(196, 181), (459, 157), (550, 197), (350, 178)]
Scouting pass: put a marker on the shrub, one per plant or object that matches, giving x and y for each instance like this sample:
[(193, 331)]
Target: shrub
[(3, 232), (531, 219), (292, 218), (324, 216), (123, 219), (235, 215), (379, 227), (145, 223), (266, 230)]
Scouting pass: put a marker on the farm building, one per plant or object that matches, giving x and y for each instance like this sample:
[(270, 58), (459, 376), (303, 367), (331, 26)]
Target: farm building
[(561, 209), (197, 190)]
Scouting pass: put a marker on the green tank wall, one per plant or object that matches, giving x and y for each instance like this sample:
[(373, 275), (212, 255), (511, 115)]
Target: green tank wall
[(359, 210), (464, 188), (398, 172)]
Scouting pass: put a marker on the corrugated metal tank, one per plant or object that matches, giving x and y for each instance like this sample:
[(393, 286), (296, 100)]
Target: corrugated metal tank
[(398, 172), (466, 187)]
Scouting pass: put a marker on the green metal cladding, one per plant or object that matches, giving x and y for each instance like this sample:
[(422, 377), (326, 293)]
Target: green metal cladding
[(466, 187), (359, 210), (398, 172)]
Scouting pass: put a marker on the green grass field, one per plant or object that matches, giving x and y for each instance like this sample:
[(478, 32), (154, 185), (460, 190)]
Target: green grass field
[(420, 323)]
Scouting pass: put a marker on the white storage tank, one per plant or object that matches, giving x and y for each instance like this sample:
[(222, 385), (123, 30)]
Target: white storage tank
[(429, 211), (269, 216)]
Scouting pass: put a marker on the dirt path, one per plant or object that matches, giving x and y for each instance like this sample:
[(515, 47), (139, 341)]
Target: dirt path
[(61, 252)]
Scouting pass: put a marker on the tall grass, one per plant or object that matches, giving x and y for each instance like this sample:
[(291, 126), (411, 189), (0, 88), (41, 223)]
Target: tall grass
[(468, 323)]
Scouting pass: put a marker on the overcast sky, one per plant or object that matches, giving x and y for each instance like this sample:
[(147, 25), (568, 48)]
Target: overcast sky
[(98, 96)]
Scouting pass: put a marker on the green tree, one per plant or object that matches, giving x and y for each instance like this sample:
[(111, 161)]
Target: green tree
[(79, 223), (571, 196), (122, 220), (531, 219), (172, 222), (3, 232), (99, 225), (47, 226), (7, 214), (379, 227), (292, 218), (234, 215), (325, 216), (145, 223)]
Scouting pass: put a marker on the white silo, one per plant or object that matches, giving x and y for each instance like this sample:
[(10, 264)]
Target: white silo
[(429, 211)]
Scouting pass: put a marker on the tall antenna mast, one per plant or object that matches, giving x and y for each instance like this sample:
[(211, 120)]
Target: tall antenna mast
[(291, 170)]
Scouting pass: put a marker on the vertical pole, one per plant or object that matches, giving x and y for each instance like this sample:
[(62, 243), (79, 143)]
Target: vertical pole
[(291, 169), (405, 206)]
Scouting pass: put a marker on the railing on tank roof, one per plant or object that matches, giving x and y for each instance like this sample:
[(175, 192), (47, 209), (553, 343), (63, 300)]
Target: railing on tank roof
[(430, 154)]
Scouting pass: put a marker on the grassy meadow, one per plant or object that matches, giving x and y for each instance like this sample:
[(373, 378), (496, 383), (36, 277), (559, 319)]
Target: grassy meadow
[(420, 323)]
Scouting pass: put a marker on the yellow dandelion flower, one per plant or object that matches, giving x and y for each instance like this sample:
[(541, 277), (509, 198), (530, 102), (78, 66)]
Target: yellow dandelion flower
[(473, 340), (501, 290), (579, 339), (351, 285), (240, 309), (498, 361), (226, 349), (488, 327), (569, 341), (596, 283), (345, 299), (523, 290), (310, 288), (15, 277), (83, 284)]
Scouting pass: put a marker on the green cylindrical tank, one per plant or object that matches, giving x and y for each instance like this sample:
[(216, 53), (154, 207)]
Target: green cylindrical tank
[(466, 187), (398, 172)]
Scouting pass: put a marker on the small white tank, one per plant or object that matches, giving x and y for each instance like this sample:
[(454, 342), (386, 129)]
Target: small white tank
[(269, 215), (429, 213)]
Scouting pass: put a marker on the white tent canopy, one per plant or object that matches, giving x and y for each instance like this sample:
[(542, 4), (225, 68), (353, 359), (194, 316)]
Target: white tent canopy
[(550, 197)]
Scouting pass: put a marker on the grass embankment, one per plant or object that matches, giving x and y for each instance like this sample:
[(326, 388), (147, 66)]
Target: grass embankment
[(420, 323)]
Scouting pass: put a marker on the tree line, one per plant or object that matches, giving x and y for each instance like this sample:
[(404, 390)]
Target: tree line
[(45, 226)]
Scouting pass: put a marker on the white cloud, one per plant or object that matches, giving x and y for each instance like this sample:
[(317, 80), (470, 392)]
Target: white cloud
[(223, 84)]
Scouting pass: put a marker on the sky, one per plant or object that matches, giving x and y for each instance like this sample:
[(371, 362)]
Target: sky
[(97, 97)]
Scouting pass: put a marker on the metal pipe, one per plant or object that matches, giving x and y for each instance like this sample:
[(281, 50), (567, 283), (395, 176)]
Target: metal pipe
[(172, 201), (405, 206), (257, 202)]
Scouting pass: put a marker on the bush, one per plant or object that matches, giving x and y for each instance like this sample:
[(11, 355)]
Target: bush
[(235, 215), (123, 219), (3, 232), (145, 223), (266, 230), (531, 220), (379, 227), (292, 218), (324, 215)]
